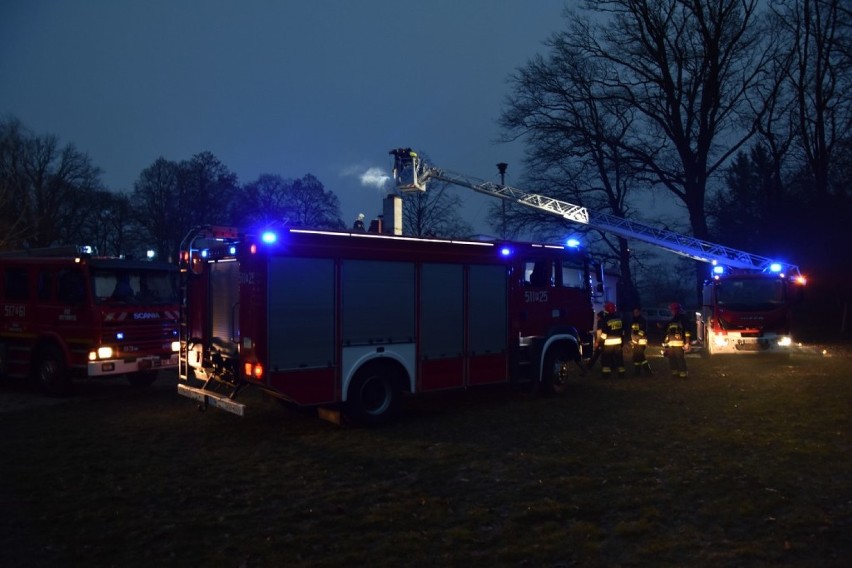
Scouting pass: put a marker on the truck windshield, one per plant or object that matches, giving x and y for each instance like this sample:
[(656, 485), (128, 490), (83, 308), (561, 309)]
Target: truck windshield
[(751, 294), (135, 286)]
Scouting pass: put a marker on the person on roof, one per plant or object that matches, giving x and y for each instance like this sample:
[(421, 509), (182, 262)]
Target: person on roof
[(359, 223), (611, 338), (676, 341)]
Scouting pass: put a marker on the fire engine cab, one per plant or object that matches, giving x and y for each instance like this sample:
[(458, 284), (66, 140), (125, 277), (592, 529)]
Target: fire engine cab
[(748, 312), (351, 321), (66, 312)]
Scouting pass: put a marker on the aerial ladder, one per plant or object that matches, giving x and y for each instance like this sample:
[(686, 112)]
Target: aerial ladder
[(411, 174)]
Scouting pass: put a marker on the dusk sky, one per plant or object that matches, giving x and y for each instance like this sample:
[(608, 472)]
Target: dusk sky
[(322, 87)]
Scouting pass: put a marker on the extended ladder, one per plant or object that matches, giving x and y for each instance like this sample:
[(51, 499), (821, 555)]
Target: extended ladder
[(411, 174)]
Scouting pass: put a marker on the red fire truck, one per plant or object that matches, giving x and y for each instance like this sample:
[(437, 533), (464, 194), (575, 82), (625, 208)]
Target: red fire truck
[(748, 312), (351, 321), (747, 304), (67, 312)]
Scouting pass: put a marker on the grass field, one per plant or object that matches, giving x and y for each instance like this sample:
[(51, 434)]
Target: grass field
[(746, 463)]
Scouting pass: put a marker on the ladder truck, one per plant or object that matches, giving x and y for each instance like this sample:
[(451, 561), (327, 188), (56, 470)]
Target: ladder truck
[(747, 299)]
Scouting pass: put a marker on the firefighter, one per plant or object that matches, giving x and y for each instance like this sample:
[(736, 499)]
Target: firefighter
[(676, 341), (359, 223), (639, 342), (612, 336)]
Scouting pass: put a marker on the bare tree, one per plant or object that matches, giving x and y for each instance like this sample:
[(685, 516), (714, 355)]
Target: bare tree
[(272, 200), (170, 198), (205, 188), (818, 78), (262, 202), (434, 213), (155, 208), (309, 204), (50, 188), (575, 137), (677, 80), (687, 67), (112, 228), (12, 226)]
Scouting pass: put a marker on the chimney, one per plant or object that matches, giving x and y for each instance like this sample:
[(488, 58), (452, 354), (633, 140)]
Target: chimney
[(392, 215)]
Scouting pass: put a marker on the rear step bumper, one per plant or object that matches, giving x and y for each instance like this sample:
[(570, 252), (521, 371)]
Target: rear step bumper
[(210, 398)]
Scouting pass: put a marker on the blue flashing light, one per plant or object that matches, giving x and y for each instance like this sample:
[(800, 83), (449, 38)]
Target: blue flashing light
[(119, 335), (232, 250), (205, 253), (505, 251), (718, 269), (573, 243), (269, 237), (775, 267)]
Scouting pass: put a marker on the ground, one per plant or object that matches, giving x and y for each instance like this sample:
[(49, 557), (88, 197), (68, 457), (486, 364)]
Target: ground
[(745, 463)]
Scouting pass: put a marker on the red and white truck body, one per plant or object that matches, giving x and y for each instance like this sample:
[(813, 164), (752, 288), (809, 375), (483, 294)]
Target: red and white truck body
[(355, 319), (66, 313), (748, 312)]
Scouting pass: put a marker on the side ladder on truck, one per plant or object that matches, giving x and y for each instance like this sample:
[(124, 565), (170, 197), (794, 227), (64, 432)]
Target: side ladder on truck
[(212, 379)]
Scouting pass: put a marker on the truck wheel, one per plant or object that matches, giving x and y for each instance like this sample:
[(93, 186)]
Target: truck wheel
[(51, 373), (374, 396), (554, 374), (142, 379)]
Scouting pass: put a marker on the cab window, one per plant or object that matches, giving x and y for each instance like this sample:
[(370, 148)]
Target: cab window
[(72, 287), (539, 273), (558, 273), (573, 275), (16, 284)]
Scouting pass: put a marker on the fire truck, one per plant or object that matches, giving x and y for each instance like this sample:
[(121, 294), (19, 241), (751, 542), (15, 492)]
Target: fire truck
[(68, 313), (350, 321), (747, 299)]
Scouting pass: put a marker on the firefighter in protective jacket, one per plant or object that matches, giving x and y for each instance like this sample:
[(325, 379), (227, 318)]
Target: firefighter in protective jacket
[(676, 341), (611, 339), (639, 342)]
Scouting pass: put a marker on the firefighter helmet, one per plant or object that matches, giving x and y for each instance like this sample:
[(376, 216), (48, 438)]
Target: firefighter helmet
[(609, 308), (675, 307)]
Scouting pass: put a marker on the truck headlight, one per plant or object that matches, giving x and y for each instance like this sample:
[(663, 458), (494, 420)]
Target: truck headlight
[(105, 352), (175, 346)]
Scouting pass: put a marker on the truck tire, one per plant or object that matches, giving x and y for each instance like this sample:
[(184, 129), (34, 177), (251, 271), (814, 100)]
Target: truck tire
[(558, 359), (142, 379), (51, 373), (374, 396)]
